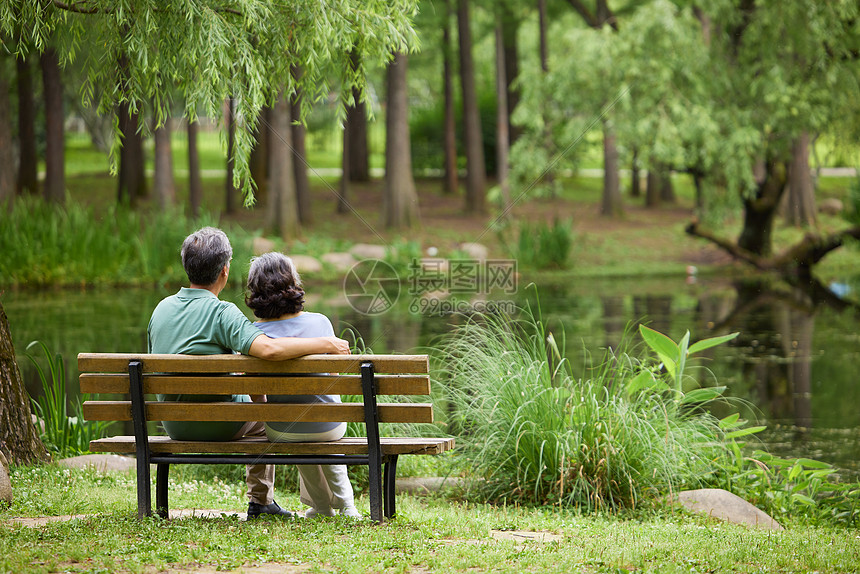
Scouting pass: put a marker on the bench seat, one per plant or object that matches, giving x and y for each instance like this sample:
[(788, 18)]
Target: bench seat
[(258, 446)]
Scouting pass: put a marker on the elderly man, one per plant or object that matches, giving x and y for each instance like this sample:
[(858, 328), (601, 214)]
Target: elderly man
[(196, 322)]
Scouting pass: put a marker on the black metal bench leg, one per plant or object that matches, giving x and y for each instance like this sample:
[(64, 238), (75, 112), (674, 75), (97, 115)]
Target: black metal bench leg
[(161, 505), (141, 439), (374, 449), (144, 488), (389, 485)]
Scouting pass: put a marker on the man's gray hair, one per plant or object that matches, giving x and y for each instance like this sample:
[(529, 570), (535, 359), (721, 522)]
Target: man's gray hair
[(204, 254)]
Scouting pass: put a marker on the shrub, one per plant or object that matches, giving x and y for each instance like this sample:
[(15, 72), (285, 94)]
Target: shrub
[(536, 433), (544, 246)]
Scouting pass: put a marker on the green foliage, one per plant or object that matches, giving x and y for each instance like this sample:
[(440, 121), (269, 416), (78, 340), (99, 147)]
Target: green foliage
[(708, 90), (63, 435), (543, 246), (674, 355), (852, 207), (208, 50), (46, 244)]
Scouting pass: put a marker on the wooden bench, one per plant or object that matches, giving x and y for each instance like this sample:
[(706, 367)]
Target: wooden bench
[(366, 376)]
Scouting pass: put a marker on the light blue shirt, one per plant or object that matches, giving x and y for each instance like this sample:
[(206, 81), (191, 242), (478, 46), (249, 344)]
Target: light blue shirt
[(303, 325)]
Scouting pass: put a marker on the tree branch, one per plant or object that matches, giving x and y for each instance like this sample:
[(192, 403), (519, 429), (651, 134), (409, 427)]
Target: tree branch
[(80, 8), (797, 260), (73, 7), (589, 18), (730, 247)]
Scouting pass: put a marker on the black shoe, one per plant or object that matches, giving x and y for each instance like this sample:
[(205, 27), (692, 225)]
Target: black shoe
[(255, 510)]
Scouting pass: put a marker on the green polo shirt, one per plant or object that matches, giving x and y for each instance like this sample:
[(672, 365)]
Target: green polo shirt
[(196, 322)]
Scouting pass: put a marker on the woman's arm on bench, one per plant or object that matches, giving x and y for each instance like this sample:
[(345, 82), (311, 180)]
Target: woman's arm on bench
[(264, 347)]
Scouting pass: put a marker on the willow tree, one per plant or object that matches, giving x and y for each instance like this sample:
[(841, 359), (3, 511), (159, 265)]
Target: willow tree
[(204, 52), (743, 82), (774, 72), (209, 50)]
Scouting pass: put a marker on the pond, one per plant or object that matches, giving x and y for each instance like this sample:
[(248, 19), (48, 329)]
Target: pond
[(793, 367)]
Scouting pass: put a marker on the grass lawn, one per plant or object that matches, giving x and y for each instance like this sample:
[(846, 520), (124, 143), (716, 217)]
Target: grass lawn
[(430, 534)]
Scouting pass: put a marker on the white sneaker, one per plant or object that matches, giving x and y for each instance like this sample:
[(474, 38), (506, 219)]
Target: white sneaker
[(314, 513), (350, 511)]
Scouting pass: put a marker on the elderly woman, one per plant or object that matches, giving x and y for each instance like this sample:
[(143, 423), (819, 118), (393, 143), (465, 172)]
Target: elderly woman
[(275, 294)]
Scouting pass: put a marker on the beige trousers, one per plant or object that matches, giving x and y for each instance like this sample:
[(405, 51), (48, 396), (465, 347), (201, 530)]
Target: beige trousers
[(260, 478)]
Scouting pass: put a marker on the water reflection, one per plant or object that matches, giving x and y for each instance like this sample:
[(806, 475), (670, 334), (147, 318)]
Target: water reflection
[(794, 361)]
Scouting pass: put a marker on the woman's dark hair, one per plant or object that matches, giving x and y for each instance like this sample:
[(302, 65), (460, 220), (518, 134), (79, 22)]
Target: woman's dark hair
[(274, 286)]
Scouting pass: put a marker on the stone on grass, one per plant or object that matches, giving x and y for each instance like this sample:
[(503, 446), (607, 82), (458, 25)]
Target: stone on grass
[(368, 251), (830, 206), (5, 482), (426, 485), (262, 245), (475, 250), (724, 505), (306, 263), (341, 261), (101, 462)]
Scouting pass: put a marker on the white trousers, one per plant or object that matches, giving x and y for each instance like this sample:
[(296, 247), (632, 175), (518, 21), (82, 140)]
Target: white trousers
[(321, 486)]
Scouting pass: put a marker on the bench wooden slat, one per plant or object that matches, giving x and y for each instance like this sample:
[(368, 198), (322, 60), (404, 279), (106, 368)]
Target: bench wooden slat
[(347, 445), (253, 385), (316, 412), (118, 363)]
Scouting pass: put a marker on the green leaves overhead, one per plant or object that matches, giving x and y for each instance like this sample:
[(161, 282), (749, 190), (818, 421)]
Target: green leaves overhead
[(145, 51)]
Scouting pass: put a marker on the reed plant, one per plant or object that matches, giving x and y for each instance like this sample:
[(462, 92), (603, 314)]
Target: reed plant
[(63, 434), (538, 433)]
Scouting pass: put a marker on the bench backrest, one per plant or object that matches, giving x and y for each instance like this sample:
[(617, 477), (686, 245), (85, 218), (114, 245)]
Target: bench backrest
[(395, 375)]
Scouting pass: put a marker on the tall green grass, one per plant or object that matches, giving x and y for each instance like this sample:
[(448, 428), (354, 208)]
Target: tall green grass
[(64, 434), (50, 245), (538, 433), (541, 245)]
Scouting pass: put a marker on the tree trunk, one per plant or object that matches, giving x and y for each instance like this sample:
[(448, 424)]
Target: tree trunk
[(400, 203), (799, 201), (7, 159), (231, 194), (283, 204), (343, 191), (759, 211), (502, 119), (19, 440), (132, 178), (258, 163), (195, 185), (55, 176), (356, 129), (542, 33), (452, 178), (163, 181), (28, 181), (635, 176), (612, 203), (667, 190), (653, 197), (510, 25), (300, 162), (476, 168)]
